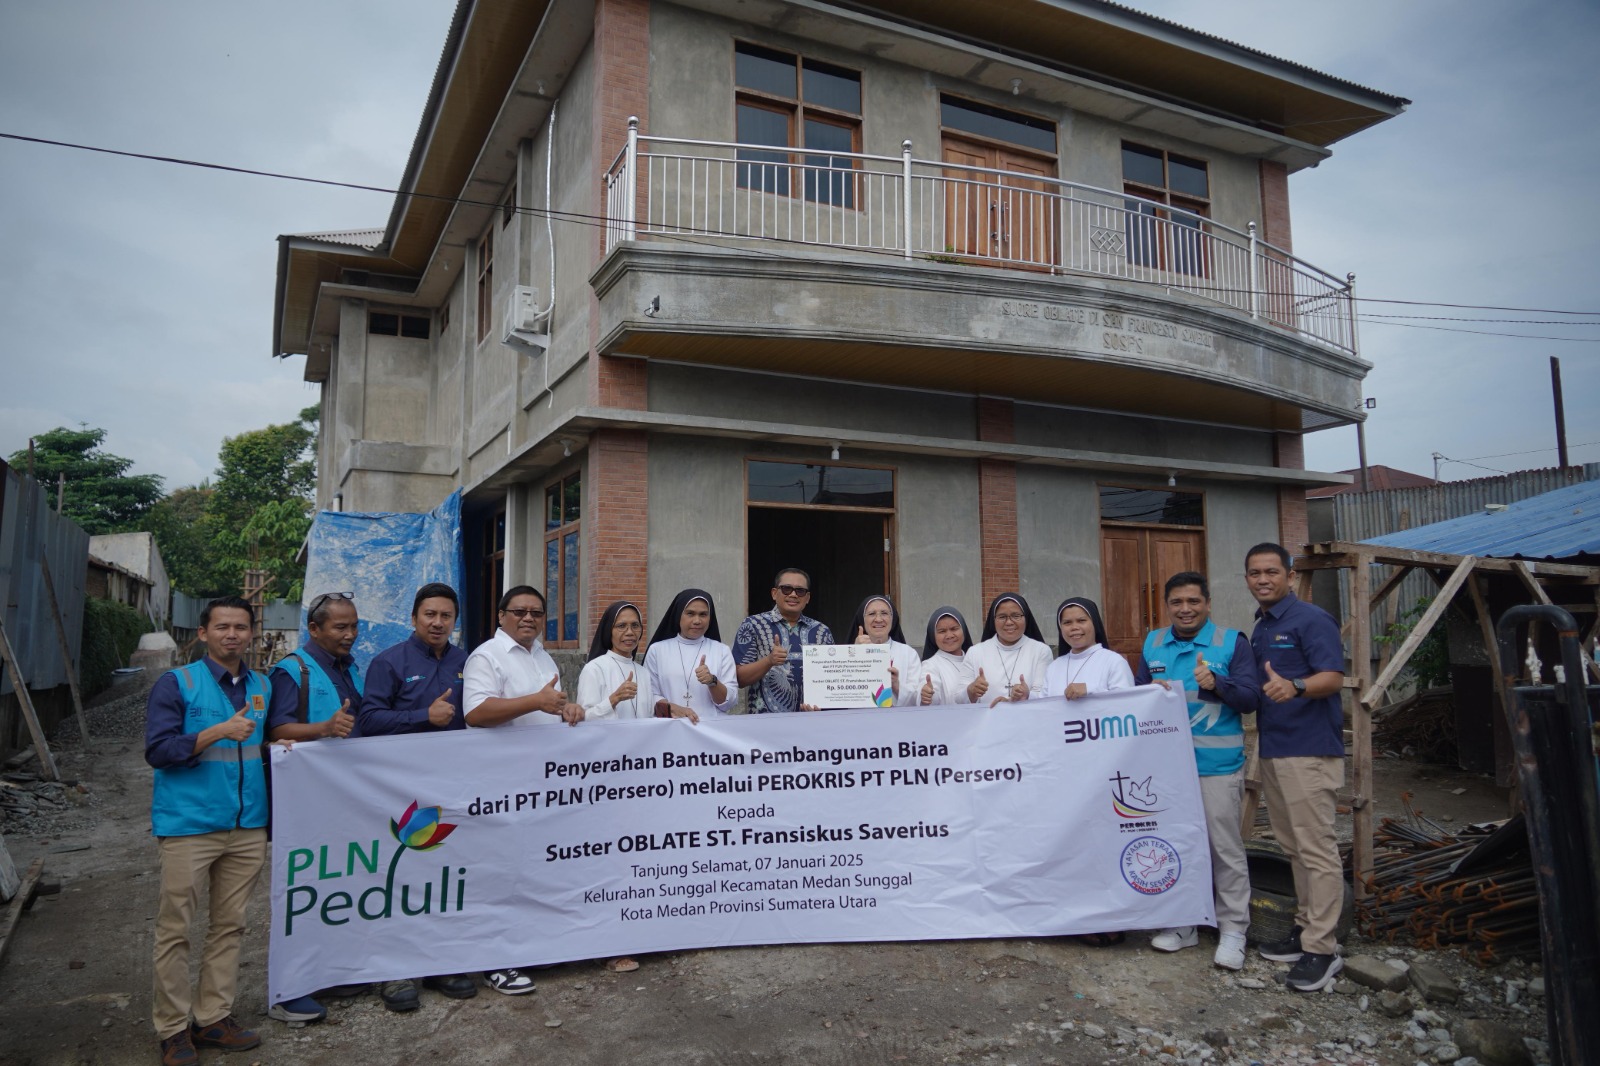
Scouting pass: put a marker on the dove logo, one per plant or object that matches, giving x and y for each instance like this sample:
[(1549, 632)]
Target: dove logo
[(1150, 865), (1132, 799)]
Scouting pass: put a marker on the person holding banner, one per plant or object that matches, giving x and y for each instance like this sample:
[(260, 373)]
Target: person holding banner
[(1012, 651), (316, 691), (1083, 664), (510, 679), (947, 669), (768, 646), (413, 687), (1301, 729), (877, 621), (1216, 670), (208, 812), (687, 664)]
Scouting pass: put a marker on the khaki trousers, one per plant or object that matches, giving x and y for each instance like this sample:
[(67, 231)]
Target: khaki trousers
[(1223, 795), (227, 863), (1300, 794)]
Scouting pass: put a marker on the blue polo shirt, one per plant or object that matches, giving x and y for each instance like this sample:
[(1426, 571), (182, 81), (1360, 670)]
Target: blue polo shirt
[(1299, 639), (403, 681)]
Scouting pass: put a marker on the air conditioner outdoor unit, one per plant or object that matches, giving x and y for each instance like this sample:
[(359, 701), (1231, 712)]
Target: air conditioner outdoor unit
[(526, 325)]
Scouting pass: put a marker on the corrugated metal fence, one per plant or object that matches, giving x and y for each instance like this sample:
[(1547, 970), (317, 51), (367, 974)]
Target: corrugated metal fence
[(29, 530)]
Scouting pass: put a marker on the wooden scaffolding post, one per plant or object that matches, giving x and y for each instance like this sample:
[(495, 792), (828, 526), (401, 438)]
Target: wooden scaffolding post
[(66, 649), (47, 762), (1361, 724), (255, 592)]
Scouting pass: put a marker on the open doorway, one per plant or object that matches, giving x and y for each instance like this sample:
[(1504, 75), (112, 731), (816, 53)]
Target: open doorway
[(843, 551)]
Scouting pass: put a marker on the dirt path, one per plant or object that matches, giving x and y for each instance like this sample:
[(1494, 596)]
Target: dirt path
[(74, 987)]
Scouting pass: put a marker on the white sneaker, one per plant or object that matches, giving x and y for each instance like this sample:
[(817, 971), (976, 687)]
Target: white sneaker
[(1230, 951), (1176, 939)]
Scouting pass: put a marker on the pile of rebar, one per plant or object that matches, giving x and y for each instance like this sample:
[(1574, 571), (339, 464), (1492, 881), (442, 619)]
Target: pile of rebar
[(1421, 726), (1491, 913)]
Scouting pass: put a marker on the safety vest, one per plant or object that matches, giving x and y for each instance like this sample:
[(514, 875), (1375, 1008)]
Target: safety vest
[(322, 700), (1216, 728), (226, 789)]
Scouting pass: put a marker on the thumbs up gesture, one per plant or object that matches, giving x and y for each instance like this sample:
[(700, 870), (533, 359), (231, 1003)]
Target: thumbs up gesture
[(1204, 677), (894, 680), (861, 635), (978, 687), (1277, 689), (238, 728), (625, 691), (927, 691), (702, 675), (441, 710), (341, 723), (1019, 691)]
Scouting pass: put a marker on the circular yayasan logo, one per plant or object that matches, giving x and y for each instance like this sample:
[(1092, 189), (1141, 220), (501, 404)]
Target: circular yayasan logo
[(1150, 865)]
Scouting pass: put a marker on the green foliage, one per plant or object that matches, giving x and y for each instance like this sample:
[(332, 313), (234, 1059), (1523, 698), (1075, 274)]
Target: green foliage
[(111, 633), (1430, 663), (178, 522), (102, 496)]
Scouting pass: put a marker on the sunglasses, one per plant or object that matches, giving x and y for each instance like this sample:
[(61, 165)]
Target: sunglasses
[(523, 612), (794, 590), (317, 603)]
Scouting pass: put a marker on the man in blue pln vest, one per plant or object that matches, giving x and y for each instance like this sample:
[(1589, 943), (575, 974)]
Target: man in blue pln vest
[(1217, 671), (316, 690), (208, 811)]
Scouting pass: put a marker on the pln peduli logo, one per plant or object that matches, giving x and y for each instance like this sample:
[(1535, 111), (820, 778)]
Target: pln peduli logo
[(342, 887)]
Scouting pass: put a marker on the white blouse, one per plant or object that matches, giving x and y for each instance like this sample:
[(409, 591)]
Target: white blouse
[(603, 676), (500, 668), (951, 675), (670, 665), (1097, 668), (1003, 666)]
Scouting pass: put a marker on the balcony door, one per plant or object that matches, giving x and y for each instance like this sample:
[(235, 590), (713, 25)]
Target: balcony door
[(999, 217)]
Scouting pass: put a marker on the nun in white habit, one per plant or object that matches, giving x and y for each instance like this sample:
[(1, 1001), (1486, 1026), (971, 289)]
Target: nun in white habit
[(687, 663), (947, 669), (1013, 657), (613, 684), (877, 621)]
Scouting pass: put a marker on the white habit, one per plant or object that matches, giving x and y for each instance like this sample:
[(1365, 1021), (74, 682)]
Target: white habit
[(671, 665), (1002, 665), (603, 676)]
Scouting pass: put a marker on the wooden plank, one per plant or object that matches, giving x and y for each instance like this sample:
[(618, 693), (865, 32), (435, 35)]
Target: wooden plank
[(1361, 729), (1419, 631), (19, 903), (1302, 584), (1501, 726), (1324, 562), (1525, 575), (46, 761), (1391, 583), (66, 649), (1587, 575)]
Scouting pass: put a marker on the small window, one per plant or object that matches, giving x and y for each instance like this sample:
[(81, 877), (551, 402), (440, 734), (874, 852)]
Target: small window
[(485, 283), (563, 502), (1164, 507), (998, 124), (821, 484), (414, 326), (383, 324), (508, 206), (444, 318), (789, 102)]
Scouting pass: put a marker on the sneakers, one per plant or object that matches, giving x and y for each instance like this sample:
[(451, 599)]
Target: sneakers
[(399, 996), (1314, 972), (1285, 950), (305, 1009), (454, 985), (1176, 939), (225, 1033), (178, 1050), (1230, 951), (511, 982)]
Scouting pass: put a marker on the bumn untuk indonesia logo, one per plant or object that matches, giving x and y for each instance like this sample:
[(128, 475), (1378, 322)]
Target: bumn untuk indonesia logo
[(420, 829)]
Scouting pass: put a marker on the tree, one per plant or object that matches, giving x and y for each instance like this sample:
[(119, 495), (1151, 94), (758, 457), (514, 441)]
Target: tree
[(101, 496), (180, 527), (260, 509)]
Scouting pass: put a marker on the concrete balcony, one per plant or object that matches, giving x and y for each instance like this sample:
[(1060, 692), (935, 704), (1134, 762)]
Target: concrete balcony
[(912, 272)]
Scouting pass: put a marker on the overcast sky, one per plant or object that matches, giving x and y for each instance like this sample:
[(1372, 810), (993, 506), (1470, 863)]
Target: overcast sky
[(137, 296)]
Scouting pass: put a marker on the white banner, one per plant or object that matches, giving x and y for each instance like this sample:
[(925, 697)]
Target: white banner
[(408, 856)]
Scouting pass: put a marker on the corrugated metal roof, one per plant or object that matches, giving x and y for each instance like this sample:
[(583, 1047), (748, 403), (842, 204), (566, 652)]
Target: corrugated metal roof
[(355, 238), (1554, 525)]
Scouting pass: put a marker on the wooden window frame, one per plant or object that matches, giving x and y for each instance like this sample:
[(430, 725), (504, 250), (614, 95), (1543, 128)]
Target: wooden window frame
[(492, 575), (555, 592), (1161, 253), (485, 283), (796, 110)]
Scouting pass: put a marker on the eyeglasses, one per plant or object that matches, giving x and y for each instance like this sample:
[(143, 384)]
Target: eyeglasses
[(794, 590), (316, 604), (628, 627), (523, 612), (1009, 618)]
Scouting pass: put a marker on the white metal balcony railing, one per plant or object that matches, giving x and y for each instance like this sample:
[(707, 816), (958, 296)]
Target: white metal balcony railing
[(950, 212)]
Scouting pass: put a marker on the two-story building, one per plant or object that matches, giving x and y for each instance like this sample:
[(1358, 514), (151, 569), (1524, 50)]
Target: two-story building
[(937, 298)]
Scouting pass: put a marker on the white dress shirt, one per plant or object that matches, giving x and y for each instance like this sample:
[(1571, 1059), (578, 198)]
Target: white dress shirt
[(671, 665), (500, 668), (603, 676)]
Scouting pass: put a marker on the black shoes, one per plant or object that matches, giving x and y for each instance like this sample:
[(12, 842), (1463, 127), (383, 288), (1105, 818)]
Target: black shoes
[(1314, 972), (1285, 950), (454, 985)]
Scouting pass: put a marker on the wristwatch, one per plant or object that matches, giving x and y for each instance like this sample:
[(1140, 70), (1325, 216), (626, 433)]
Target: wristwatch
[(1299, 686), (713, 683)]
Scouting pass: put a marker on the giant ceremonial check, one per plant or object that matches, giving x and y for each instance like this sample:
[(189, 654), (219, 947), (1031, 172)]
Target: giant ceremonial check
[(444, 853)]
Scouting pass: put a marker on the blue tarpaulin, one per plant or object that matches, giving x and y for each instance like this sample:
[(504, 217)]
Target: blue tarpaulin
[(381, 559)]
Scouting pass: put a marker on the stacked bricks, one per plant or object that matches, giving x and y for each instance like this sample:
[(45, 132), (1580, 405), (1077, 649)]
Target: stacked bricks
[(616, 528), (997, 501), (1290, 454)]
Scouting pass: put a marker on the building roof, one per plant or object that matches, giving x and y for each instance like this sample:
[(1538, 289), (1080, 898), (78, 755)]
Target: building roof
[(354, 238), (1554, 525), (1379, 478)]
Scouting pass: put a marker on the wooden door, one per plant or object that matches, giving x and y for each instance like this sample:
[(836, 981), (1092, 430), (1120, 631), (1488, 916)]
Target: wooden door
[(1134, 565), (994, 217)]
